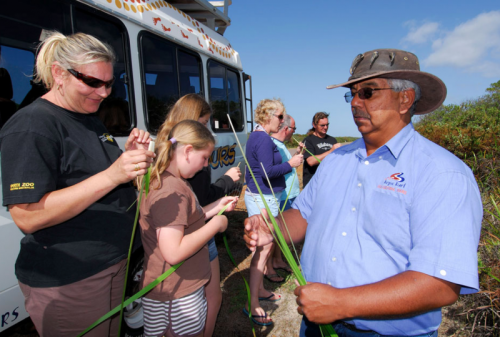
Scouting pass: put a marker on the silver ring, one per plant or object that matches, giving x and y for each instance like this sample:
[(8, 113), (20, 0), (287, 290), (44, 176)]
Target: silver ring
[(137, 167)]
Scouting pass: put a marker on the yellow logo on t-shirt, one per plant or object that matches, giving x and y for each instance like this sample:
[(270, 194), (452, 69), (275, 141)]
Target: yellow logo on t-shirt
[(106, 137), (22, 186)]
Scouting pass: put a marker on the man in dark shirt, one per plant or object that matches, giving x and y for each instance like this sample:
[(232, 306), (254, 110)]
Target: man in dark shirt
[(318, 143)]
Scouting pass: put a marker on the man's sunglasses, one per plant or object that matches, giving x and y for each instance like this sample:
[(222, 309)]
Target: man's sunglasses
[(92, 81), (280, 117), (363, 93)]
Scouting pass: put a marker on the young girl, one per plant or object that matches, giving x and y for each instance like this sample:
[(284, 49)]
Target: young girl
[(195, 107), (174, 230)]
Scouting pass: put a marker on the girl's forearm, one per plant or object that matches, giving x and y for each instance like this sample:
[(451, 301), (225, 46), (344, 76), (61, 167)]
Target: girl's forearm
[(188, 244), (211, 209)]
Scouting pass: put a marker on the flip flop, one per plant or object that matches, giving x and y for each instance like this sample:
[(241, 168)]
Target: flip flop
[(271, 276), (268, 298), (245, 311), (287, 269)]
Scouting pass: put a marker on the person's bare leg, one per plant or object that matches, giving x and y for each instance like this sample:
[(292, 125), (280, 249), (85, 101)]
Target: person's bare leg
[(257, 265), (277, 259), (213, 294)]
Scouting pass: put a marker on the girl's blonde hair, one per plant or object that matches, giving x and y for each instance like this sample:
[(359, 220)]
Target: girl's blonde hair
[(190, 106), (266, 109), (69, 52), (185, 132)]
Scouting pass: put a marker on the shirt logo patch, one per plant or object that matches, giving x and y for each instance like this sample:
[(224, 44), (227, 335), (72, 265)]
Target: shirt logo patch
[(324, 146), (397, 177), (395, 183), (22, 186), (106, 137)]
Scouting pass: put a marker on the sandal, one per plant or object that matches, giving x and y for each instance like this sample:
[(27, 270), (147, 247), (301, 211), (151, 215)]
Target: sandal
[(271, 276), (245, 311), (269, 298)]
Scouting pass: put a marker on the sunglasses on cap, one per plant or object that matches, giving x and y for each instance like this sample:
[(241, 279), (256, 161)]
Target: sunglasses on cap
[(280, 117), (363, 93), (92, 81)]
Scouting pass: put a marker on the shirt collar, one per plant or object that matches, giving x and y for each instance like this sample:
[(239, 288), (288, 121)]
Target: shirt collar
[(397, 143)]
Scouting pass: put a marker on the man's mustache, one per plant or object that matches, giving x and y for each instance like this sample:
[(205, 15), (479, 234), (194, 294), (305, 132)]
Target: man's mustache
[(359, 114)]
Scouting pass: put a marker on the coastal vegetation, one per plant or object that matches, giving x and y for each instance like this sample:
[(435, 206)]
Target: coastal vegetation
[(471, 131)]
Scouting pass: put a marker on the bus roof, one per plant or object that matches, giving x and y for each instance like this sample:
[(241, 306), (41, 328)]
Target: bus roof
[(199, 24)]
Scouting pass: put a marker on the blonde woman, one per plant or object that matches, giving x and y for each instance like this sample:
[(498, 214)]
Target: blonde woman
[(174, 230), (261, 151), (194, 107), (67, 186)]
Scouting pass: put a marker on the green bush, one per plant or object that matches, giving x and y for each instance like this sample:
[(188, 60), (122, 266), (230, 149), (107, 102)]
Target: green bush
[(470, 130)]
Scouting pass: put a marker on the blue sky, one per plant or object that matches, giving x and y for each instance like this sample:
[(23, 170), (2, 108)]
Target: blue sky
[(294, 49)]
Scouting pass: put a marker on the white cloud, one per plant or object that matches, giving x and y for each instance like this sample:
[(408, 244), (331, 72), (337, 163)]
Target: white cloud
[(421, 34), (470, 45)]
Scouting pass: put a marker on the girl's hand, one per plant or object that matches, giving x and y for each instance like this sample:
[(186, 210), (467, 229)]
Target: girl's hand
[(138, 139), (232, 201), (130, 165), (296, 161), (234, 173)]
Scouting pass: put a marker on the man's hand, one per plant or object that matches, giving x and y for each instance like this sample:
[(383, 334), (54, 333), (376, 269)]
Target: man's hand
[(406, 294), (320, 303), (256, 231)]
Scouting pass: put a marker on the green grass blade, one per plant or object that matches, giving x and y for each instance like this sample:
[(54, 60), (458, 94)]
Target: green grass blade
[(319, 161), (283, 245), (128, 257), (288, 194), (327, 330), (139, 294)]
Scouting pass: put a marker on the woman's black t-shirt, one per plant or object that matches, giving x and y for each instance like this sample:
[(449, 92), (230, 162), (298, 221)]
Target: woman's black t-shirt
[(46, 148)]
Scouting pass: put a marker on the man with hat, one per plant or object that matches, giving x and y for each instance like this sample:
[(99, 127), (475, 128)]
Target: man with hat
[(393, 220)]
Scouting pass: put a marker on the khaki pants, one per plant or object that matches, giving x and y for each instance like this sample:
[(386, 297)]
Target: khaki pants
[(70, 309)]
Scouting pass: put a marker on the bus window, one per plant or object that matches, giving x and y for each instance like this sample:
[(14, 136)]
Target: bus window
[(225, 97), (115, 111), (22, 26), (168, 73), (189, 74)]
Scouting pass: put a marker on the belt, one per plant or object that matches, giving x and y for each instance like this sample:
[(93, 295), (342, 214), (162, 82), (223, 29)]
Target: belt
[(353, 327)]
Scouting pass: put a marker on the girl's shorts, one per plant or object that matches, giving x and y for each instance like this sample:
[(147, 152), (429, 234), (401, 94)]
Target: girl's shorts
[(212, 250), (184, 316)]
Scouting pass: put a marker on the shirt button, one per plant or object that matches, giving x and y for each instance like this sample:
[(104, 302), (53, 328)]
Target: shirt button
[(359, 184), (443, 272), (380, 157), (344, 234), (329, 283), (334, 259), (367, 162), (353, 209)]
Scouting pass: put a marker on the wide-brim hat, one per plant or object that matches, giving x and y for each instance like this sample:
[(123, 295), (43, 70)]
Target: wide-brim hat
[(398, 64)]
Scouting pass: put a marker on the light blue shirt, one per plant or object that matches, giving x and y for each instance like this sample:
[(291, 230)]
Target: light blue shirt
[(291, 179), (411, 205)]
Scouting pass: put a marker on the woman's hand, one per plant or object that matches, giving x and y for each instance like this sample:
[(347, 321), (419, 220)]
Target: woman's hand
[(296, 160), (130, 165), (234, 173), (137, 140)]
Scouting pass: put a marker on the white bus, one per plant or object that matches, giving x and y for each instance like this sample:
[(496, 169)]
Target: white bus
[(164, 51)]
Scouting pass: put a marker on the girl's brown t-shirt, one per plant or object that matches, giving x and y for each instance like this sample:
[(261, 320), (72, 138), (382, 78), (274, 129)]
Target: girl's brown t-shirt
[(174, 204)]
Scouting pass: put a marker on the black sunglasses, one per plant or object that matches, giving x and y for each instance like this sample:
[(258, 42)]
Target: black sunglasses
[(363, 93), (92, 81), (280, 117)]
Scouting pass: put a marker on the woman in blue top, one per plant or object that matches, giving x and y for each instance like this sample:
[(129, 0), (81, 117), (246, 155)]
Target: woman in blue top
[(261, 151)]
